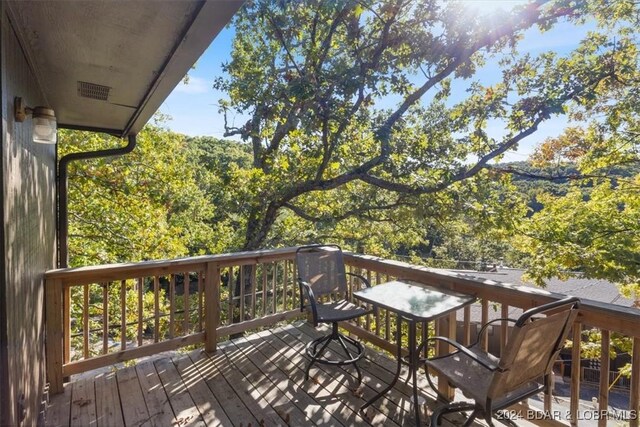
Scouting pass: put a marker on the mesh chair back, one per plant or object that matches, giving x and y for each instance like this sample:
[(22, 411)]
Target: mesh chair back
[(322, 267), (533, 346)]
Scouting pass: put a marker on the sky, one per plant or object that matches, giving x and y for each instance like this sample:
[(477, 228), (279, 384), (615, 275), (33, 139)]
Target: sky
[(193, 107)]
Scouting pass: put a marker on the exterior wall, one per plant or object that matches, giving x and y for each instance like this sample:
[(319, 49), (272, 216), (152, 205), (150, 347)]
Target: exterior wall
[(28, 238)]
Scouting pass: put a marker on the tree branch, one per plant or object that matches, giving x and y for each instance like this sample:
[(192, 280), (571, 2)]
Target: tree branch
[(360, 212)]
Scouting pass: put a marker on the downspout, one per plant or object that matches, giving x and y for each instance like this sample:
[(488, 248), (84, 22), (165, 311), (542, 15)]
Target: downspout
[(63, 208)]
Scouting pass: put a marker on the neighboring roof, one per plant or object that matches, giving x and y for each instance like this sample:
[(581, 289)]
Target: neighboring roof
[(591, 289), (137, 51)]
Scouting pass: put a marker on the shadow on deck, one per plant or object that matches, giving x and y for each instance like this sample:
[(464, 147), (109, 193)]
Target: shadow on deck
[(251, 381)]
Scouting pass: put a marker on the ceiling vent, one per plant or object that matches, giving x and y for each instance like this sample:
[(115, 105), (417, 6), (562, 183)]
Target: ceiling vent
[(93, 91)]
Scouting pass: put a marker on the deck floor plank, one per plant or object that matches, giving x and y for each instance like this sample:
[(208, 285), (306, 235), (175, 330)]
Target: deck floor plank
[(83, 403), (134, 408), (160, 412), (108, 409), (59, 410), (184, 408), (204, 399)]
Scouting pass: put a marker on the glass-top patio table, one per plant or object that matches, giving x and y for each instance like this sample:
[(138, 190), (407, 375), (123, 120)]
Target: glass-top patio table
[(413, 304)]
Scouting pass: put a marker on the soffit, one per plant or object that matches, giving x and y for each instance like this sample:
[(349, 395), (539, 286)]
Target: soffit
[(137, 51)]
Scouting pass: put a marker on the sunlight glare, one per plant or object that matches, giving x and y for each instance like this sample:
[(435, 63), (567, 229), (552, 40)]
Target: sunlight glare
[(492, 6)]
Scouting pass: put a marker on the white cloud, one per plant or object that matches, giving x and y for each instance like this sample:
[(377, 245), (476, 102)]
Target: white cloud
[(194, 85)]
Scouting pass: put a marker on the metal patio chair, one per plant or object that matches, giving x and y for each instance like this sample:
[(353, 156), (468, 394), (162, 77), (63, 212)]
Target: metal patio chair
[(522, 371), (322, 280)]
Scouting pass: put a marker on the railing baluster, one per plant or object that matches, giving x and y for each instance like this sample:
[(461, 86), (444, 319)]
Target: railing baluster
[(85, 321), (285, 279), (156, 309), (66, 349), (242, 296), (254, 301), (172, 303), (485, 319), (140, 283), (230, 288), (105, 318), (504, 326), (575, 373), (274, 295), (264, 288), (212, 290), (603, 395), (368, 317), (387, 325), (294, 287), (466, 327), (123, 315), (200, 276), (185, 295), (634, 397)]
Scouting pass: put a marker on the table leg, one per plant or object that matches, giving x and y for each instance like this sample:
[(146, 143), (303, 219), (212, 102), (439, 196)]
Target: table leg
[(413, 366), (398, 369)]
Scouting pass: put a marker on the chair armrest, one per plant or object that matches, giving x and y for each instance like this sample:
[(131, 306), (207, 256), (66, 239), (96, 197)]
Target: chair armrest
[(362, 278), (305, 290), (484, 327), (462, 349)]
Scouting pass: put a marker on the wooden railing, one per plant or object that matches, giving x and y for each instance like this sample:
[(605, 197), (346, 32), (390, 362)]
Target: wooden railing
[(102, 315), (126, 311), (608, 318)]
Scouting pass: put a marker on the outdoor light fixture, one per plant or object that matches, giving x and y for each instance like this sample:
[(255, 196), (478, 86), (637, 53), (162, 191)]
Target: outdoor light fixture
[(43, 121)]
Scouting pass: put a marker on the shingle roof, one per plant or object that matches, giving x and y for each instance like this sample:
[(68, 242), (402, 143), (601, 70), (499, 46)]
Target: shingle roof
[(592, 289)]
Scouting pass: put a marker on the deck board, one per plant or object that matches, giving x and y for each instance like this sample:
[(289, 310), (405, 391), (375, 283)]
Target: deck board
[(83, 399), (108, 410), (184, 408), (134, 408), (257, 380), (59, 410), (157, 401), (204, 399)]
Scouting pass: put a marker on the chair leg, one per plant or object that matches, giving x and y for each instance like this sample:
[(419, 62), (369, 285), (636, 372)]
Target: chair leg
[(454, 407), (472, 418), (346, 350), (316, 355), (488, 418)]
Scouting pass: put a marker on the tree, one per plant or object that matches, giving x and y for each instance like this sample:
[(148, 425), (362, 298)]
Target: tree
[(145, 205), (594, 228), (351, 101)]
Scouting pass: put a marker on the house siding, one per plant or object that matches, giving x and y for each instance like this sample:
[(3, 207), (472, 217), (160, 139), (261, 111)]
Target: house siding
[(28, 238)]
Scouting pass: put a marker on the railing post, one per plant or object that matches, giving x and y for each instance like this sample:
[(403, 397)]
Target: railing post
[(634, 399), (211, 312), (55, 337), (447, 328), (575, 373), (603, 397)]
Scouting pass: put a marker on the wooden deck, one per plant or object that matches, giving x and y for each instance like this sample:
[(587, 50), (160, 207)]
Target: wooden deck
[(251, 381)]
